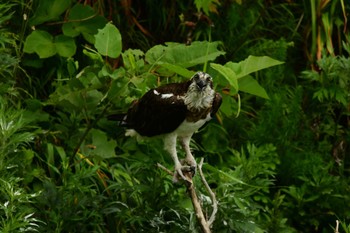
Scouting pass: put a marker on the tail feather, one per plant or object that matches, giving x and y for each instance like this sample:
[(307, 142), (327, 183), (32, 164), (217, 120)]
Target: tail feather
[(116, 117), (121, 117)]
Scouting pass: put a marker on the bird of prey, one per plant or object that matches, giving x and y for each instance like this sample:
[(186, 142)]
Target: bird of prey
[(175, 111)]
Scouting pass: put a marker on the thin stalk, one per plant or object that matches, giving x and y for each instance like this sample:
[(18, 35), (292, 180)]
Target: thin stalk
[(313, 29), (90, 126)]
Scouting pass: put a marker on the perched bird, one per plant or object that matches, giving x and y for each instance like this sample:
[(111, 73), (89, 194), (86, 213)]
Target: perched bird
[(174, 111)]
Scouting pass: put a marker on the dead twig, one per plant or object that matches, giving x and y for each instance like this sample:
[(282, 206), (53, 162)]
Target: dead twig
[(204, 223), (196, 204), (165, 169), (211, 193), (337, 226)]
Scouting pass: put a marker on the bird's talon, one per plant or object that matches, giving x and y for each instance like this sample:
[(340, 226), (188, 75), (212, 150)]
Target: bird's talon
[(183, 162), (186, 169), (178, 173), (193, 170)]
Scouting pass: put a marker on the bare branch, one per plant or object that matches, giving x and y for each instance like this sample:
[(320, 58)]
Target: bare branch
[(196, 204), (194, 198), (337, 226), (211, 193), (165, 169)]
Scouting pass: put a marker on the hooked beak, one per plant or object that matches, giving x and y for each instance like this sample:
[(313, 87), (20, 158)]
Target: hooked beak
[(201, 84)]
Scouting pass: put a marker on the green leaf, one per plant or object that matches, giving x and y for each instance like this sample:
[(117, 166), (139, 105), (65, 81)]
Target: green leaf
[(108, 41), (117, 88), (103, 147), (48, 11), (133, 59), (178, 70), (65, 46), (206, 5), (252, 64), (249, 85), (74, 97), (198, 52), (92, 99), (234, 72), (83, 20), (41, 43), (228, 74), (50, 156), (228, 175), (228, 106), (93, 55)]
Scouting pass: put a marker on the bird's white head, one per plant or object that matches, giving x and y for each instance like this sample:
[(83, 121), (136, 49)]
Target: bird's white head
[(202, 81), (200, 93)]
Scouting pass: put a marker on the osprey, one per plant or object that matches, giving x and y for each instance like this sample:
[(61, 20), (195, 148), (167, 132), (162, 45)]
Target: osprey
[(175, 111)]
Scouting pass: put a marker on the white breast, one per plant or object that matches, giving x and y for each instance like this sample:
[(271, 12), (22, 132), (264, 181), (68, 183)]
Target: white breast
[(188, 128)]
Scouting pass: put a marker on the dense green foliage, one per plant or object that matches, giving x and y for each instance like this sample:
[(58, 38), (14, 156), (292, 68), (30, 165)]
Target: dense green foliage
[(277, 154)]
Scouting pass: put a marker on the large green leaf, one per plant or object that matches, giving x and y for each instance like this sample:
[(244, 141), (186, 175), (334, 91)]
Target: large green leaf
[(48, 11), (184, 55), (45, 45), (41, 43), (103, 147), (83, 20), (252, 64), (178, 70), (108, 41), (249, 85), (65, 46), (237, 74), (228, 74)]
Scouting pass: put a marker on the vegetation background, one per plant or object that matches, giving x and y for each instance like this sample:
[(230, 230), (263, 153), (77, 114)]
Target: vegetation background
[(277, 156)]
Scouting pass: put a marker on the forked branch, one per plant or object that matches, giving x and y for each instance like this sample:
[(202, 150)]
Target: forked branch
[(205, 224), (211, 193)]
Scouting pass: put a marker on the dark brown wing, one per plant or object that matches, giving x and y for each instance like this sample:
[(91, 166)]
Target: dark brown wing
[(156, 113), (216, 104)]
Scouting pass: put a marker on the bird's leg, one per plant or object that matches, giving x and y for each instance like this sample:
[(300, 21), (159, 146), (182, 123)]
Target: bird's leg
[(170, 146), (185, 143)]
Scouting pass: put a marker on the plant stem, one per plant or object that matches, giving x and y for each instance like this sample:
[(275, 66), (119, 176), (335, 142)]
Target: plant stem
[(89, 127), (313, 29)]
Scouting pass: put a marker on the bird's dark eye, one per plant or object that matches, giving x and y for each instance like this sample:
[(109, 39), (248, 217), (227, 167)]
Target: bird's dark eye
[(209, 79), (196, 77)]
